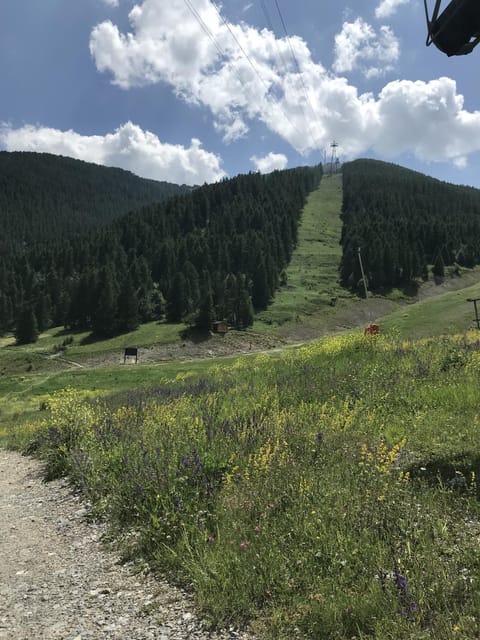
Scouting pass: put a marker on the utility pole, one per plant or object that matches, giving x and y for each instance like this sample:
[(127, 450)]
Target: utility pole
[(333, 146), (477, 318), (363, 272)]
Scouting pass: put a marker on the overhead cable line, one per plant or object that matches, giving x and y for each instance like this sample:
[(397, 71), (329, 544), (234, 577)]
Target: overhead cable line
[(295, 59), (284, 62), (270, 26), (250, 62), (247, 57), (212, 37), (204, 26)]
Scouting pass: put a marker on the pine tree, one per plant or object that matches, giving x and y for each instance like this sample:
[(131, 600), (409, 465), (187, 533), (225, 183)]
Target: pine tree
[(206, 313), (260, 293), (42, 312), (6, 313), (104, 319), (177, 299), (127, 308), (245, 312), (26, 330)]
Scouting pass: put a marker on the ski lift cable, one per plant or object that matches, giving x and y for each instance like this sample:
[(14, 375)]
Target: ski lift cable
[(285, 65), (204, 26), (295, 59), (245, 54), (270, 26), (212, 37), (250, 62)]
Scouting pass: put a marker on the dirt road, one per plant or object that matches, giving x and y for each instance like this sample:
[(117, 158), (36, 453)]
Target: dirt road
[(58, 581)]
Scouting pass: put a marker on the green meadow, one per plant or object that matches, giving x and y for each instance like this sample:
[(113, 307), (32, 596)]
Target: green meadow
[(324, 491), (328, 492)]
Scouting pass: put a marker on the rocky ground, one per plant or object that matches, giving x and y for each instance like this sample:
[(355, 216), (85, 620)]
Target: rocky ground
[(58, 581)]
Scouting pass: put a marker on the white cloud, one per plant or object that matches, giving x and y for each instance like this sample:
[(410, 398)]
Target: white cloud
[(270, 162), (204, 65), (358, 46), (427, 119), (111, 3), (387, 8), (129, 147)]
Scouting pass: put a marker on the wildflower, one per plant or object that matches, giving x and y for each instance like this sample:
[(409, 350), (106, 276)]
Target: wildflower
[(244, 544), (456, 629), (257, 529), (211, 539)]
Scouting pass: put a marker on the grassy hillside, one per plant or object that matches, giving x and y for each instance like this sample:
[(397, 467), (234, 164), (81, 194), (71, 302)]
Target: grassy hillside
[(300, 311), (312, 275), (329, 492), (446, 313)]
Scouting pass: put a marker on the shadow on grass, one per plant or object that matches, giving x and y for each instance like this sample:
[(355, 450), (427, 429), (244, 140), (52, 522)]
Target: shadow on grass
[(458, 472), (195, 335)]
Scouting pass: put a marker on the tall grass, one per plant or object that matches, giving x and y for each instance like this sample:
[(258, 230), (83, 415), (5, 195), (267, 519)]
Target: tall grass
[(330, 492)]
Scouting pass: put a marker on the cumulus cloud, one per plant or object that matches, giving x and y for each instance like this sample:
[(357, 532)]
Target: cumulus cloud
[(204, 64), (111, 3), (128, 147), (387, 8), (430, 121), (270, 162), (305, 105), (359, 46)]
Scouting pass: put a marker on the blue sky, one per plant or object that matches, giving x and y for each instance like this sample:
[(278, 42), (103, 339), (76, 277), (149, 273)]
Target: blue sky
[(192, 90)]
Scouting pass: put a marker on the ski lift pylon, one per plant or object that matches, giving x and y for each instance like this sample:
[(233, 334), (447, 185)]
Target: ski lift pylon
[(456, 30)]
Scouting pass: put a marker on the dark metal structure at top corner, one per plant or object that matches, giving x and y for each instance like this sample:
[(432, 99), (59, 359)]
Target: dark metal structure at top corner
[(456, 29)]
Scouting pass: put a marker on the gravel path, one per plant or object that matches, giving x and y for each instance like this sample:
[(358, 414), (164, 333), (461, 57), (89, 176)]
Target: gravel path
[(58, 581)]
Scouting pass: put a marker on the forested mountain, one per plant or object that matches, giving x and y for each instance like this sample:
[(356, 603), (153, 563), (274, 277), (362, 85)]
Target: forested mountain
[(212, 252), (404, 221), (43, 196)]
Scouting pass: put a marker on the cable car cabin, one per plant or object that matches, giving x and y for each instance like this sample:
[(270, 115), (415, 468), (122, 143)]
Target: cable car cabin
[(456, 31)]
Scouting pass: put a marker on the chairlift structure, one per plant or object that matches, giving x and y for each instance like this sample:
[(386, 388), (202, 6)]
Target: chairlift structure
[(456, 29)]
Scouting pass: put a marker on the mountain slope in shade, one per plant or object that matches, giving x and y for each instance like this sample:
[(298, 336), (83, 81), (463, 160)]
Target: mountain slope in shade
[(44, 196)]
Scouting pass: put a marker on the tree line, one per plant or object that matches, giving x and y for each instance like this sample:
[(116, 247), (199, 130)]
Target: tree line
[(44, 196), (217, 251), (406, 224)]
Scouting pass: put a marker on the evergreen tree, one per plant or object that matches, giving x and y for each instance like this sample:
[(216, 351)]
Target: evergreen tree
[(245, 313), (159, 306), (260, 292), (104, 319), (42, 312), (438, 268), (127, 309), (26, 330), (177, 300), (6, 314), (206, 313)]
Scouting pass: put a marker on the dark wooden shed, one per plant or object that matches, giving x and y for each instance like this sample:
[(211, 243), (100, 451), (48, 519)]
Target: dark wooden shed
[(220, 326)]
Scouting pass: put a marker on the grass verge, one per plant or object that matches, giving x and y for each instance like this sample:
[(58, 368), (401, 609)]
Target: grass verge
[(328, 492)]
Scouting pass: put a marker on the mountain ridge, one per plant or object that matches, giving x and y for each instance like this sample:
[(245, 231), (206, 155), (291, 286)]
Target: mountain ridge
[(43, 194)]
